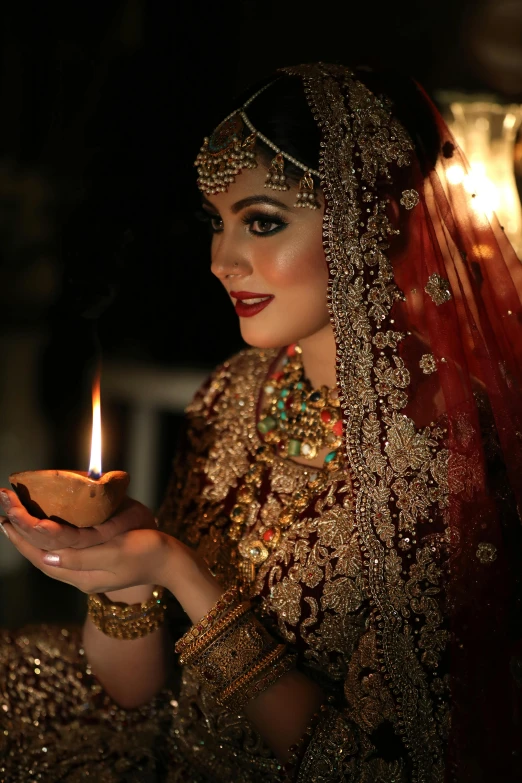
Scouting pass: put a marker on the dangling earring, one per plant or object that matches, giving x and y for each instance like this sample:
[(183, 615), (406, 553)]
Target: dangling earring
[(276, 178), (307, 196)]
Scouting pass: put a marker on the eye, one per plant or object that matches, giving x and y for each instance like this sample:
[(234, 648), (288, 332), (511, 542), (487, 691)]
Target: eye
[(264, 225), (213, 221)]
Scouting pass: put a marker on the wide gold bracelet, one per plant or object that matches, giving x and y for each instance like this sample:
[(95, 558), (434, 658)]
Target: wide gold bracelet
[(221, 606), (191, 653), (121, 621), (258, 679)]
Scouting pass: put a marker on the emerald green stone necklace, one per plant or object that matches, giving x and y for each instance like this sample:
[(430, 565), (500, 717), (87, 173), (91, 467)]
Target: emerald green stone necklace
[(297, 419)]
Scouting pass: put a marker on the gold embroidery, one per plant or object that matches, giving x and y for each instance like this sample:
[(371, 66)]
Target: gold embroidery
[(438, 288), (382, 444), (486, 553), (409, 199), (428, 364)]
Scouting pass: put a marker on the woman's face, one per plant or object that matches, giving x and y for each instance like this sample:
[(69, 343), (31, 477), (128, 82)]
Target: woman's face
[(265, 248)]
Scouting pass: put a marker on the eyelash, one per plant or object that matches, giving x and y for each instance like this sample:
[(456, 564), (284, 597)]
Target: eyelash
[(248, 220)]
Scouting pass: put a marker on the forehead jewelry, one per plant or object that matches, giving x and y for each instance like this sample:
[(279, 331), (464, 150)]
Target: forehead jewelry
[(231, 148)]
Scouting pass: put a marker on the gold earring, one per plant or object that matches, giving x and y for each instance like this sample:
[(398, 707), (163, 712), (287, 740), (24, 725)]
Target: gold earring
[(276, 178), (307, 196)]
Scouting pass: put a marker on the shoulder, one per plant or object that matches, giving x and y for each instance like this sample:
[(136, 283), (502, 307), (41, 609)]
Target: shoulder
[(241, 374)]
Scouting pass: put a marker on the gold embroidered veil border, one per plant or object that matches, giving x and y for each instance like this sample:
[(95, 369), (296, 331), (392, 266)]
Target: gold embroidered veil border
[(404, 309)]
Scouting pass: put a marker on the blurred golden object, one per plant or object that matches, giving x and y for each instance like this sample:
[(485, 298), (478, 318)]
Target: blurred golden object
[(486, 131)]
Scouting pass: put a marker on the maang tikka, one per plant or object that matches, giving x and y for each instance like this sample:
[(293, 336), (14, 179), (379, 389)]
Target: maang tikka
[(231, 148)]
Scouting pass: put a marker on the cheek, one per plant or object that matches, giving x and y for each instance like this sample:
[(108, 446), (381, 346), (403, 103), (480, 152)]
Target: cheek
[(296, 273), (293, 264)]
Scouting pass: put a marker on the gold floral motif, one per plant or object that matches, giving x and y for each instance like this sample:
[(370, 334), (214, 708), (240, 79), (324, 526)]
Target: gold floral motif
[(438, 289), (428, 364), (486, 553), (409, 199)]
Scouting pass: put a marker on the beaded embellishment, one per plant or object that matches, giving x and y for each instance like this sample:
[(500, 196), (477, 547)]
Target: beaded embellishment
[(231, 148)]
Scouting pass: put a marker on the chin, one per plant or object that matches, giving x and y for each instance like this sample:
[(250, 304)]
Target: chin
[(265, 338)]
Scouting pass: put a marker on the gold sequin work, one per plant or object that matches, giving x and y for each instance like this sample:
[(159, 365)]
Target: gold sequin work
[(438, 289), (428, 364)]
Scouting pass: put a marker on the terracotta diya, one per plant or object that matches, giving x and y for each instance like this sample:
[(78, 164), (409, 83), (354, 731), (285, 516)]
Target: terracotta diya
[(77, 497), (71, 495)]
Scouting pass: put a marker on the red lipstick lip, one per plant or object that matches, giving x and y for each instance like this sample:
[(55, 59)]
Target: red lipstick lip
[(245, 310), (246, 295)]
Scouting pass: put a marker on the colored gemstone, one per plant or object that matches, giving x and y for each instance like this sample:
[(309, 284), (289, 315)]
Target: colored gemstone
[(294, 448), (266, 424), (268, 534), (326, 416), (255, 551), (284, 416), (299, 385), (290, 351), (280, 404), (276, 376), (315, 396), (303, 406), (289, 401), (338, 428), (284, 392), (329, 457)]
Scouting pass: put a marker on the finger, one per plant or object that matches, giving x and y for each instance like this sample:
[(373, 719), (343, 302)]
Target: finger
[(80, 579), (113, 556), (131, 516), (3, 522), (45, 534), (13, 507)]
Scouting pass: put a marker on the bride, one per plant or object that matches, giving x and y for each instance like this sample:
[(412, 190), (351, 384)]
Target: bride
[(333, 592)]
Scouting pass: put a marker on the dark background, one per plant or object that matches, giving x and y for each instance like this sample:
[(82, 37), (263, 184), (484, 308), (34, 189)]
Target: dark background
[(103, 109)]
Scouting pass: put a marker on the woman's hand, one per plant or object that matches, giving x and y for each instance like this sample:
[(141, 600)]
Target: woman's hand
[(136, 557), (50, 535), (123, 552)]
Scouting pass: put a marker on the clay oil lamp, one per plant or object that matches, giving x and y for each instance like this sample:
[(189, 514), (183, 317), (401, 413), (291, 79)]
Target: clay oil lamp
[(77, 497)]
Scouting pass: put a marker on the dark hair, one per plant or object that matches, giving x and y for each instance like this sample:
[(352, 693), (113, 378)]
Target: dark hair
[(282, 114)]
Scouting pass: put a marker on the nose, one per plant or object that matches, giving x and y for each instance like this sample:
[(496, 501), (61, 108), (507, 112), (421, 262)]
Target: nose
[(227, 260)]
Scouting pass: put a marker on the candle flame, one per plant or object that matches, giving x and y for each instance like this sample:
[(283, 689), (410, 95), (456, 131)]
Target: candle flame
[(95, 466)]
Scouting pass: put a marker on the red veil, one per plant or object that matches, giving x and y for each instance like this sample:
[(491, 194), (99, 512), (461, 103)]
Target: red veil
[(426, 302)]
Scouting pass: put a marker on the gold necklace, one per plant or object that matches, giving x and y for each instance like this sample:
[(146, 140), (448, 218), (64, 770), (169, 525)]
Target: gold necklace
[(296, 421)]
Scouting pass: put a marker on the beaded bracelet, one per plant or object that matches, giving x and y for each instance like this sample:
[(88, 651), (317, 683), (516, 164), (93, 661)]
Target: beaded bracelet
[(228, 598), (219, 627), (120, 621)]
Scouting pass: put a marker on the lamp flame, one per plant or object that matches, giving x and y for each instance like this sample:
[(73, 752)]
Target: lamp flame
[(95, 466)]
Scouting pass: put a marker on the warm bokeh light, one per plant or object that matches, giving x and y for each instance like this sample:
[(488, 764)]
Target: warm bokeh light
[(95, 466)]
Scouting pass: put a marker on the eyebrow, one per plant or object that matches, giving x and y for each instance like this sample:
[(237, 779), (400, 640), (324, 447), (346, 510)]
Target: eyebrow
[(248, 202)]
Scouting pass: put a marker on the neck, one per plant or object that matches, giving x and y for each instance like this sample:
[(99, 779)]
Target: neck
[(319, 358)]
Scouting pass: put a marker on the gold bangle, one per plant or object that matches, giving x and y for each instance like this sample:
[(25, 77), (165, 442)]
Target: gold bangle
[(206, 622), (267, 678), (258, 679), (232, 653), (121, 621), (213, 632)]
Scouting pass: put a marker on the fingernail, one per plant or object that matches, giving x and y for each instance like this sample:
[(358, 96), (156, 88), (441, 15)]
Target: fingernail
[(52, 560), (4, 531), (41, 529), (4, 498)]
